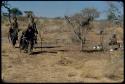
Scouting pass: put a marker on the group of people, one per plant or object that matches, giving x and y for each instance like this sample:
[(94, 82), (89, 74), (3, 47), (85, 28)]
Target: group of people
[(29, 36)]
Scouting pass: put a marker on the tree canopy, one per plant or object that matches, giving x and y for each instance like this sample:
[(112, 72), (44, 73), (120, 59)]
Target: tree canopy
[(15, 11)]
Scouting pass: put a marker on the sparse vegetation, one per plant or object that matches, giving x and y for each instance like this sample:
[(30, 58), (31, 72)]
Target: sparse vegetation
[(82, 23), (57, 56)]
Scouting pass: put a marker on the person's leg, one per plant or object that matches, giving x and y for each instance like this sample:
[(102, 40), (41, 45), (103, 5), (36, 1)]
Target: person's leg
[(25, 45), (32, 44), (35, 39)]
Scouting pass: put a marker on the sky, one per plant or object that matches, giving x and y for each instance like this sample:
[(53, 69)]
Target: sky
[(58, 8)]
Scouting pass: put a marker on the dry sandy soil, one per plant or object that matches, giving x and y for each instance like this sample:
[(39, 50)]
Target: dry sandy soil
[(60, 61)]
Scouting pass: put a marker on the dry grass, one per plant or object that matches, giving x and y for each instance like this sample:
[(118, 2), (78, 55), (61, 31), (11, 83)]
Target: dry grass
[(61, 63)]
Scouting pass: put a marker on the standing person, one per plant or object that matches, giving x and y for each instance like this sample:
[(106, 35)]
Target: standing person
[(32, 24), (30, 36), (113, 42), (13, 31)]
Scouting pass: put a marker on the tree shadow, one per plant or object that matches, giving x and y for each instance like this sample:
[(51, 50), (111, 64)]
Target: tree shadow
[(59, 50), (48, 47), (53, 52), (17, 47), (42, 47), (62, 50), (91, 51), (39, 52)]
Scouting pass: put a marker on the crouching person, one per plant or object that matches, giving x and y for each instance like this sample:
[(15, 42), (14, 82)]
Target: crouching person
[(27, 40), (113, 43), (23, 42)]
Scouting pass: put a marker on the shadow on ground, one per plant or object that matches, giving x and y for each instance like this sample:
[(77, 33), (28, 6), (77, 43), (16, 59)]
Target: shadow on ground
[(49, 47), (43, 47), (91, 51), (54, 51)]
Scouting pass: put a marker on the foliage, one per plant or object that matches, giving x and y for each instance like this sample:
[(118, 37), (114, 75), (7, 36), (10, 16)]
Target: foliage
[(114, 14), (29, 13), (90, 12), (15, 11), (81, 23)]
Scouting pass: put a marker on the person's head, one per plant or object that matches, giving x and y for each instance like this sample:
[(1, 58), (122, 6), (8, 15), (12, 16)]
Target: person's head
[(14, 19), (32, 19), (23, 32), (29, 25), (29, 29), (11, 25), (114, 35)]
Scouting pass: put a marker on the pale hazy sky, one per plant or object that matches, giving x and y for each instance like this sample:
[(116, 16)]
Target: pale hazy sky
[(59, 8)]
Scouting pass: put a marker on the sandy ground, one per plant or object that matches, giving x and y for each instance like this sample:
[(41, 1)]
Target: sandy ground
[(60, 63)]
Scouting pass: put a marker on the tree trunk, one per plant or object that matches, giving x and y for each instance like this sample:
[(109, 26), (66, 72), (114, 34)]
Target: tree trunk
[(9, 18), (8, 9), (41, 44), (101, 41), (40, 39), (81, 45)]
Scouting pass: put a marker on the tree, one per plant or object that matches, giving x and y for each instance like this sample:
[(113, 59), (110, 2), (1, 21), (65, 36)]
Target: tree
[(111, 12), (6, 5), (90, 12), (29, 13), (81, 22), (15, 12), (114, 14)]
